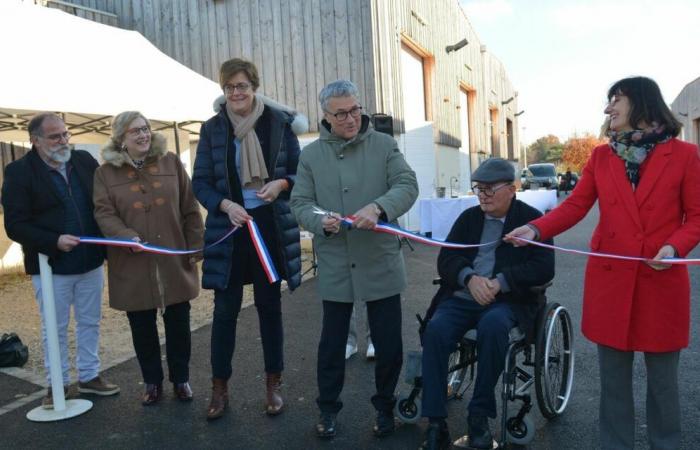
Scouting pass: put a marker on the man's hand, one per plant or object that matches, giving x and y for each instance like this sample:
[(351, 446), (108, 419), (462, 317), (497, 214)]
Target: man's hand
[(524, 232), (496, 286), (482, 289), (366, 218), (271, 190), (236, 213), (66, 242), (666, 251), (331, 224)]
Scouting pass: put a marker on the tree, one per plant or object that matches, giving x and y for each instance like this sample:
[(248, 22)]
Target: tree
[(577, 150), (545, 149)]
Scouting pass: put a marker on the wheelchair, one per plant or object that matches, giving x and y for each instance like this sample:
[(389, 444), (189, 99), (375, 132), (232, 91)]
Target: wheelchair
[(547, 362)]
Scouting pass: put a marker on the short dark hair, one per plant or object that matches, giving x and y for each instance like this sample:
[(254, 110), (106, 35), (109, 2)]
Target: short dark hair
[(646, 103), (36, 122), (233, 66)]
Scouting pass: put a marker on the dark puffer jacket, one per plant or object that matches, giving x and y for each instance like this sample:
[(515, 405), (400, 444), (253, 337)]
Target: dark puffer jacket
[(213, 180)]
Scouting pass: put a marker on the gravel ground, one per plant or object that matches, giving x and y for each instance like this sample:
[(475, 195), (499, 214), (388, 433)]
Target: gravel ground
[(20, 314)]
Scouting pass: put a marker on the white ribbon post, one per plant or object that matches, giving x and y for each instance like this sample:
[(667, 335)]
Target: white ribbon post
[(62, 408)]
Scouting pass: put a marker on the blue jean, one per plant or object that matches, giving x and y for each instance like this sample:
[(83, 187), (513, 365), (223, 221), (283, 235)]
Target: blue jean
[(452, 319), (84, 293)]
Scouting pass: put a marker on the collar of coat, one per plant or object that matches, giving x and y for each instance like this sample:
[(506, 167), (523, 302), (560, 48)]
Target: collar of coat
[(114, 155), (299, 122), (325, 133)]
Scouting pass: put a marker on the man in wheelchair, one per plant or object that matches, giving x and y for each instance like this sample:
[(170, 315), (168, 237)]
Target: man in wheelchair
[(487, 288)]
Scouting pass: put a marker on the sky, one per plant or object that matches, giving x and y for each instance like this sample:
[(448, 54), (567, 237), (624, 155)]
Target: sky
[(562, 56)]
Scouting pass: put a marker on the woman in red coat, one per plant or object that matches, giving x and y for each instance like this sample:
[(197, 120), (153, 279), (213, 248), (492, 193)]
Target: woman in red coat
[(647, 184)]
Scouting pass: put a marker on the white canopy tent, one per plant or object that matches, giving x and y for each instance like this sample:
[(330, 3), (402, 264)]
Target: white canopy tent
[(89, 72)]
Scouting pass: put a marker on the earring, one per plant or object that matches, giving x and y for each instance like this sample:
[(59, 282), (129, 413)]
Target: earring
[(123, 147)]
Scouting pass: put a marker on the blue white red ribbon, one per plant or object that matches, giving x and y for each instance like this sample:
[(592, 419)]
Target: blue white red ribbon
[(678, 261), (263, 254), (256, 237), (384, 227)]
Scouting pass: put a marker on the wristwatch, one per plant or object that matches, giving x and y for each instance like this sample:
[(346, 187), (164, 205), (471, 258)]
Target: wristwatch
[(378, 209)]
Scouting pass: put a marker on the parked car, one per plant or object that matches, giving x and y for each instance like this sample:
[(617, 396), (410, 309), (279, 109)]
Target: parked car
[(541, 175)]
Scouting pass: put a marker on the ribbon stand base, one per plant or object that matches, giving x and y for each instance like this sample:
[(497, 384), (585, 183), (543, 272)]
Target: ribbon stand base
[(63, 409)]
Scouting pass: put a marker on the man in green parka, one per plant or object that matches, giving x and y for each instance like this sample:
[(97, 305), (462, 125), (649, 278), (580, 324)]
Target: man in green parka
[(354, 170)]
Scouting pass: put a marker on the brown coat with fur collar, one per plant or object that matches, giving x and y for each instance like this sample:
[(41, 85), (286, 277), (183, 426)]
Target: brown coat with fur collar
[(157, 205)]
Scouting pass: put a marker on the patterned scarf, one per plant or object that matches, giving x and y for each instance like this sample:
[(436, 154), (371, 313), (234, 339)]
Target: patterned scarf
[(634, 146)]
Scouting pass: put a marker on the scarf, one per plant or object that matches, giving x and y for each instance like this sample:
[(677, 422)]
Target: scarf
[(634, 146), (253, 170)]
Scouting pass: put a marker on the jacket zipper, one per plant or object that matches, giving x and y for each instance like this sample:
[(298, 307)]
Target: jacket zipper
[(77, 210), (228, 185)]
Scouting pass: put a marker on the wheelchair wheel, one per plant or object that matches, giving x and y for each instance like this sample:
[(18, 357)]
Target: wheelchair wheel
[(554, 357), (456, 371), (520, 431), (408, 411)]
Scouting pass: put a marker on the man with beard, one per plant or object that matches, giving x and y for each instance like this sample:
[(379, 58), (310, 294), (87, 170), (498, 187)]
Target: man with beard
[(47, 199)]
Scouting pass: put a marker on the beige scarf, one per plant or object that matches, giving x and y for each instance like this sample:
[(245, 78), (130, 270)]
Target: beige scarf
[(253, 169)]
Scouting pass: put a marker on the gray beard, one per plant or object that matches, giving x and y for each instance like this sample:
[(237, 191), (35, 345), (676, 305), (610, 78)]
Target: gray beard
[(61, 153)]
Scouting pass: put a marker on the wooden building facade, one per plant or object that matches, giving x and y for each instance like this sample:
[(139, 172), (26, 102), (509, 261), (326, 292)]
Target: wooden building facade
[(419, 61), (686, 107)]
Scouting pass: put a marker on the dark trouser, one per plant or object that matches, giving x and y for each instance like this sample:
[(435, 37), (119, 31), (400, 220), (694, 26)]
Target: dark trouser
[(385, 329), (227, 303), (452, 319), (617, 400), (144, 332)]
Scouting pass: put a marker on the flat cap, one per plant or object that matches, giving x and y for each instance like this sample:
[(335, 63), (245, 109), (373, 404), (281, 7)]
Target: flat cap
[(494, 170)]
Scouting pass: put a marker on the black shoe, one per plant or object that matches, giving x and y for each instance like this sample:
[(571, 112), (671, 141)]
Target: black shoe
[(325, 428), (384, 425), (437, 437), (479, 432)]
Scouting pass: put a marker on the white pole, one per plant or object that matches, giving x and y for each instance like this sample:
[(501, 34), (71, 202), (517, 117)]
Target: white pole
[(62, 408), (49, 305)]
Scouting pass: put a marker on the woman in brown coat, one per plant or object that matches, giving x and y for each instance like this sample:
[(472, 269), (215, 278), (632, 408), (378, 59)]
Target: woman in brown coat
[(143, 193)]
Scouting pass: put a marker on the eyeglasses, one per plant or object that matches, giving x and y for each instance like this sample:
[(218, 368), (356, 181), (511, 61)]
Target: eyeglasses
[(138, 130), (58, 136), (240, 87), (488, 191), (342, 115)]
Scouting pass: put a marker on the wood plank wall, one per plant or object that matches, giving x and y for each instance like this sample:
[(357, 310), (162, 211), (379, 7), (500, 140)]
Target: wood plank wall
[(297, 45), (300, 45), (432, 25)]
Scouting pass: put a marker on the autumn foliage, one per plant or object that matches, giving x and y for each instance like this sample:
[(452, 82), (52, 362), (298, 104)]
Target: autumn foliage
[(577, 150)]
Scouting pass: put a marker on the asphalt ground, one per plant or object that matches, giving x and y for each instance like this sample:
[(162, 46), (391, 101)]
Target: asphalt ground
[(121, 422)]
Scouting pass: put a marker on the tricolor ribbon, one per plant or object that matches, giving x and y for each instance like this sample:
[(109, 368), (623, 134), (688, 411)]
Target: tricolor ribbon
[(678, 261), (263, 254), (256, 237), (383, 227)]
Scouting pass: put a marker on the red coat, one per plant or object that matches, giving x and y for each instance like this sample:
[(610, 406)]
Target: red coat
[(627, 305)]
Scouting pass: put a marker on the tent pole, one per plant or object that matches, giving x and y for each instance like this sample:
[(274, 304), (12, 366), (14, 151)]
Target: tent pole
[(177, 139)]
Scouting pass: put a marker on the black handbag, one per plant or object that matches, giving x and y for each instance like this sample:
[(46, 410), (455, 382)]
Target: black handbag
[(13, 353)]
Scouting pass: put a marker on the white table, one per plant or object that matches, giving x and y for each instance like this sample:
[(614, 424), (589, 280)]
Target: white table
[(438, 214)]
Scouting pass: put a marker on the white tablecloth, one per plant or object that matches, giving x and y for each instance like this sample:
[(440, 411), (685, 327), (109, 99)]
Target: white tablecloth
[(438, 214)]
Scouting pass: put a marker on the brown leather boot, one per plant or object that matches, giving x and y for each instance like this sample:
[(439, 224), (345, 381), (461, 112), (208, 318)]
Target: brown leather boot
[(274, 398), (219, 398)]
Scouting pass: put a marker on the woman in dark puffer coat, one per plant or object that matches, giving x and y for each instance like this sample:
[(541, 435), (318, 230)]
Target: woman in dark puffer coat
[(244, 169)]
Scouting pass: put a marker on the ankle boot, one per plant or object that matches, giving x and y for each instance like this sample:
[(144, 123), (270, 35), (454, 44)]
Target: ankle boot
[(274, 399), (219, 398)]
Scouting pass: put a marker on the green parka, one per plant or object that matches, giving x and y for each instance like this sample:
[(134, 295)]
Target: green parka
[(344, 176)]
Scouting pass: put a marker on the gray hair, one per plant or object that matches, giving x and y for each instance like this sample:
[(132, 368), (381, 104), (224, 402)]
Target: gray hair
[(34, 128), (338, 88)]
